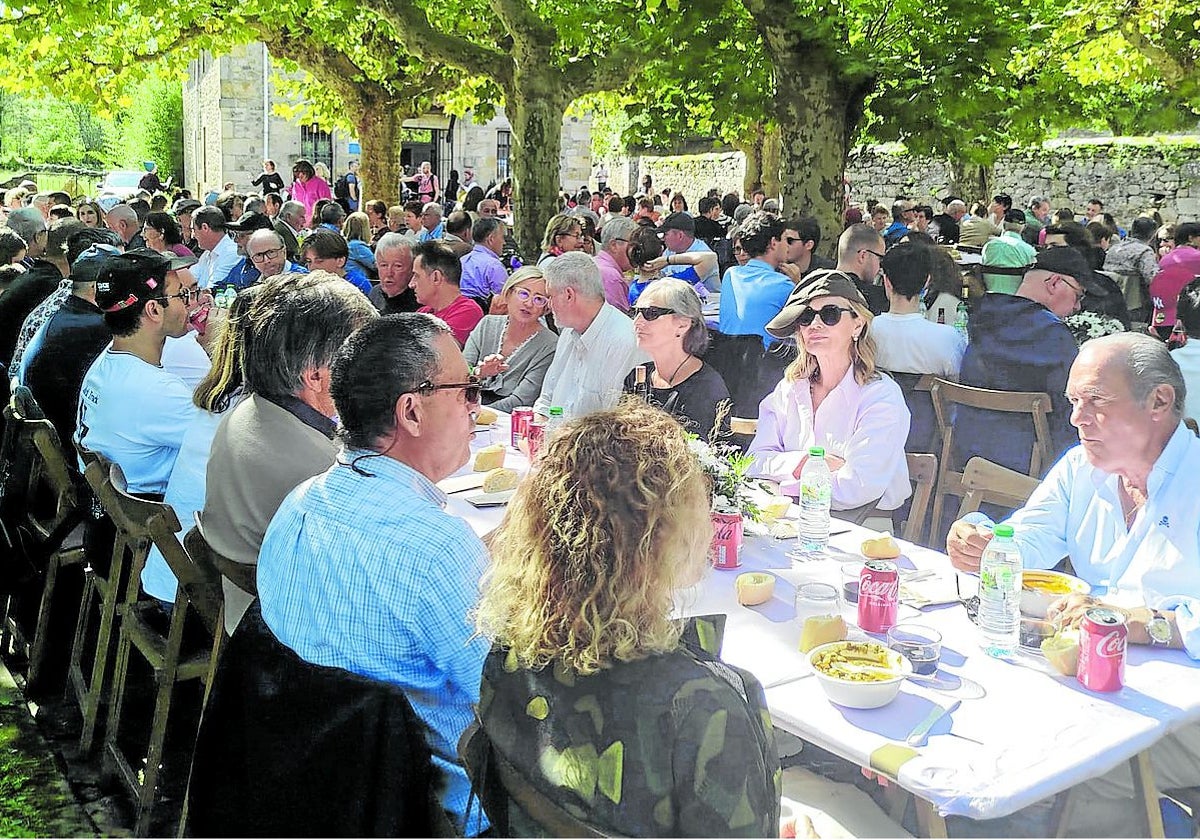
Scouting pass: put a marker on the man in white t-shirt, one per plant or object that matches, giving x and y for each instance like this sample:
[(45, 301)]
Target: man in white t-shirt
[(131, 410), (908, 342)]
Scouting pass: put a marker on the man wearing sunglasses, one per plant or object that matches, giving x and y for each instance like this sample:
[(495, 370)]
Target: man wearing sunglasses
[(1019, 343), (860, 248), (132, 410), (362, 568), (802, 235)]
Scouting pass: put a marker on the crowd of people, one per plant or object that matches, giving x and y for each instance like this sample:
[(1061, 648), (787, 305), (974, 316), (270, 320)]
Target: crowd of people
[(302, 368)]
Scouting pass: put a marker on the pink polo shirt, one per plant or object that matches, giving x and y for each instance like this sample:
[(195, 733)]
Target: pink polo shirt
[(616, 287), (462, 315)]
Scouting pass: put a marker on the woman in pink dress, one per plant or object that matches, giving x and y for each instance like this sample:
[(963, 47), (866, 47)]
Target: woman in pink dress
[(308, 188)]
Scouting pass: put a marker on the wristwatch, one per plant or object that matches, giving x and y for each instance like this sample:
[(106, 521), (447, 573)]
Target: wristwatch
[(1158, 629)]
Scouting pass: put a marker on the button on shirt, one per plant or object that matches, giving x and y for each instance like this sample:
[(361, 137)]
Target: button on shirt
[(482, 273), (214, 265), (1076, 512), (370, 574), (751, 295), (589, 368)]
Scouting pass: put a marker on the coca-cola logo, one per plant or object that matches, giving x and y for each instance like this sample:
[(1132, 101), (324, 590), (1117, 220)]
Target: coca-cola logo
[(871, 588), (724, 531), (1111, 645)]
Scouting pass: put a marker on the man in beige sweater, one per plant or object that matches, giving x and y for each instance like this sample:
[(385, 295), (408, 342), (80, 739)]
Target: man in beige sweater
[(282, 432)]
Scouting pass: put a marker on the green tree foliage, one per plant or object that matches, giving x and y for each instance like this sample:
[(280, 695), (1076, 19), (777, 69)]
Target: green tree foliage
[(152, 128)]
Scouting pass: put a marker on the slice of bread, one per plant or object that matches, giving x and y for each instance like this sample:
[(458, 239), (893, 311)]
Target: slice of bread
[(499, 480), (489, 458)]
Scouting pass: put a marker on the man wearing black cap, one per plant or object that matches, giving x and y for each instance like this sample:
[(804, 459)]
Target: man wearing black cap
[(131, 410), (1019, 343), (686, 255), (245, 273)]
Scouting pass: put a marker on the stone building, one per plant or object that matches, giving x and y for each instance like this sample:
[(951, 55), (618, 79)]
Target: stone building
[(229, 128)]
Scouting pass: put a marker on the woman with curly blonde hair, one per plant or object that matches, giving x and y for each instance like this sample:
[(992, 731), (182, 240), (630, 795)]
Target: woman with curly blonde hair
[(604, 702), (832, 396)]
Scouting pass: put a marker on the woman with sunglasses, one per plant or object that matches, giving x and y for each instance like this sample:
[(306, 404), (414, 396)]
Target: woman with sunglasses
[(671, 331), (832, 396), (564, 234), (511, 353)]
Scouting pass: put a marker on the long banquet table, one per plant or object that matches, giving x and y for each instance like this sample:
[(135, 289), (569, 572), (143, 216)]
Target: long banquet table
[(1039, 733)]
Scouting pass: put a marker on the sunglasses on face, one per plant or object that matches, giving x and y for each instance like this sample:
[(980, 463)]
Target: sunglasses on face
[(830, 315), (185, 295), (472, 389), (524, 295), (652, 313)]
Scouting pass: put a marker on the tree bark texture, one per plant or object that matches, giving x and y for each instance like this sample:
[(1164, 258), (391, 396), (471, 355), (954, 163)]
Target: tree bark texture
[(537, 103)]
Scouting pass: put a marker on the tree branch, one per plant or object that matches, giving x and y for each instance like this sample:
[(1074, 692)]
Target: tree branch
[(422, 39), (1173, 71), (523, 23)]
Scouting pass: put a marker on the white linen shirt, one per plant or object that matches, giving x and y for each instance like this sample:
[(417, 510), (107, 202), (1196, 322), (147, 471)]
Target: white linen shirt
[(214, 265), (1075, 512), (866, 425), (912, 344), (1188, 359), (589, 368)]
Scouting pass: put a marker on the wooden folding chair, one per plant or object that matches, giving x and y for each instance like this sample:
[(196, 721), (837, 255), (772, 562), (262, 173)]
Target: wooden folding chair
[(946, 395), (101, 590), (52, 516), (987, 483), (142, 630), (922, 472)]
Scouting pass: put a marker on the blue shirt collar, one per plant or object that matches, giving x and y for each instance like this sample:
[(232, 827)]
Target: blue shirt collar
[(374, 465)]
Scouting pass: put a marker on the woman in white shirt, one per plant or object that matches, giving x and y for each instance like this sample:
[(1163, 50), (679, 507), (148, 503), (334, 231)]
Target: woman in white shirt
[(832, 396)]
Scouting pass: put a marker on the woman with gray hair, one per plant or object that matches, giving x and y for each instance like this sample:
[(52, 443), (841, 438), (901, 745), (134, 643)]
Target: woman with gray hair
[(671, 330)]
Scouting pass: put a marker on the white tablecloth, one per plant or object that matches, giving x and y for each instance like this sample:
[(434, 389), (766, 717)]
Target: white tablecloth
[(1042, 733)]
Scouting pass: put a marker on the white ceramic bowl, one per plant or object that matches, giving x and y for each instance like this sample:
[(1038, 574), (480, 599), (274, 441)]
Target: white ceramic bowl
[(1041, 589), (861, 694)]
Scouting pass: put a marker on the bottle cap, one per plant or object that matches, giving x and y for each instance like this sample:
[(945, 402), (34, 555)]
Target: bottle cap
[(817, 451), (1003, 530), (556, 411)]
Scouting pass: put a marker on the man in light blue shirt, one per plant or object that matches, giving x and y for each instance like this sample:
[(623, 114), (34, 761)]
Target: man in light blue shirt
[(361, 567), (685, 251), (754, 293), (432, 226), (1124, 505)]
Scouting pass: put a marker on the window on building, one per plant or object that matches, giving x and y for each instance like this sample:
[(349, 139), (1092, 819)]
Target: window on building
[(316, 145), (503, 149)]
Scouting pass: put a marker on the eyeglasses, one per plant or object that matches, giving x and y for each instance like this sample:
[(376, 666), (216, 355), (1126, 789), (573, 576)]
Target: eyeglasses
[(738, 249), (472, 388), (525, 295), (830, 315), (869, 251), (1079, 293), (792, 240), (577, 234), (652, 313), (185, 295), (266, 255)]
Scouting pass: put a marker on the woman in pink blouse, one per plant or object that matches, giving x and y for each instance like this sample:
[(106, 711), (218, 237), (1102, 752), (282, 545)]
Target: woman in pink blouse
[(308, 188), (832, 396)]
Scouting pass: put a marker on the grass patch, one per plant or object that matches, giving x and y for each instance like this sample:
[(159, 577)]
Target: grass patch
[(31, 794)]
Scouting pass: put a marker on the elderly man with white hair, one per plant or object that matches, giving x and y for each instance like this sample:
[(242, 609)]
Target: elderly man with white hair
[(613, 260), (431, 222), (1124, 507), (596, 347)]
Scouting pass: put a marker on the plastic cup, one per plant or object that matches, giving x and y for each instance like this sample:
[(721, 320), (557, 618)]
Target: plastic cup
[(850, 575), (920, 645)]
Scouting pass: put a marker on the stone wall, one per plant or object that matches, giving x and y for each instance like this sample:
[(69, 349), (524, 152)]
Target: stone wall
[(1129, 175)]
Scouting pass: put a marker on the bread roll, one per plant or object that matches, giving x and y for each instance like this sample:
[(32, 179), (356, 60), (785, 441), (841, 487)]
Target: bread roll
[(489, 458)]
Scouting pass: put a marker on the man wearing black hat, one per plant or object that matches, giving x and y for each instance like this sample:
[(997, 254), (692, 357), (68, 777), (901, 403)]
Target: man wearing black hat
[(245, 272), (1019, 343), (686, 257), (131, 410)]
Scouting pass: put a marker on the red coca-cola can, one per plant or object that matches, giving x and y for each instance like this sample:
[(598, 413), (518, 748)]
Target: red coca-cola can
[(878, 596), (726, 550), (535, 436), (1103, 639), (520, 419)]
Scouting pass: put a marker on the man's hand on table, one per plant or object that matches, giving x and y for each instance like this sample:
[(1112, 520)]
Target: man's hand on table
[(965, 544), (1067, 612)]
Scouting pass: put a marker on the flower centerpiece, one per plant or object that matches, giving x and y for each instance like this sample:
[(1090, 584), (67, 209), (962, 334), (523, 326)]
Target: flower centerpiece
[(1085, 326), (727, 468)]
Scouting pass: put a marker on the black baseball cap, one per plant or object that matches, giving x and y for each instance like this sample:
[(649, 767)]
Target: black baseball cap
[(250, 222), (124, 280), (1064, 260)]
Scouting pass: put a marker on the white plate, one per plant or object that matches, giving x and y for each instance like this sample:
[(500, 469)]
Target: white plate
[(490, 499), (459, 483)]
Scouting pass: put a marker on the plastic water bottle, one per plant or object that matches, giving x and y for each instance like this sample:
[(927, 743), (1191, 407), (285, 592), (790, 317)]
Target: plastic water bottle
[(962, 314), (816, 495), (1000, 594), (554, 420)]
